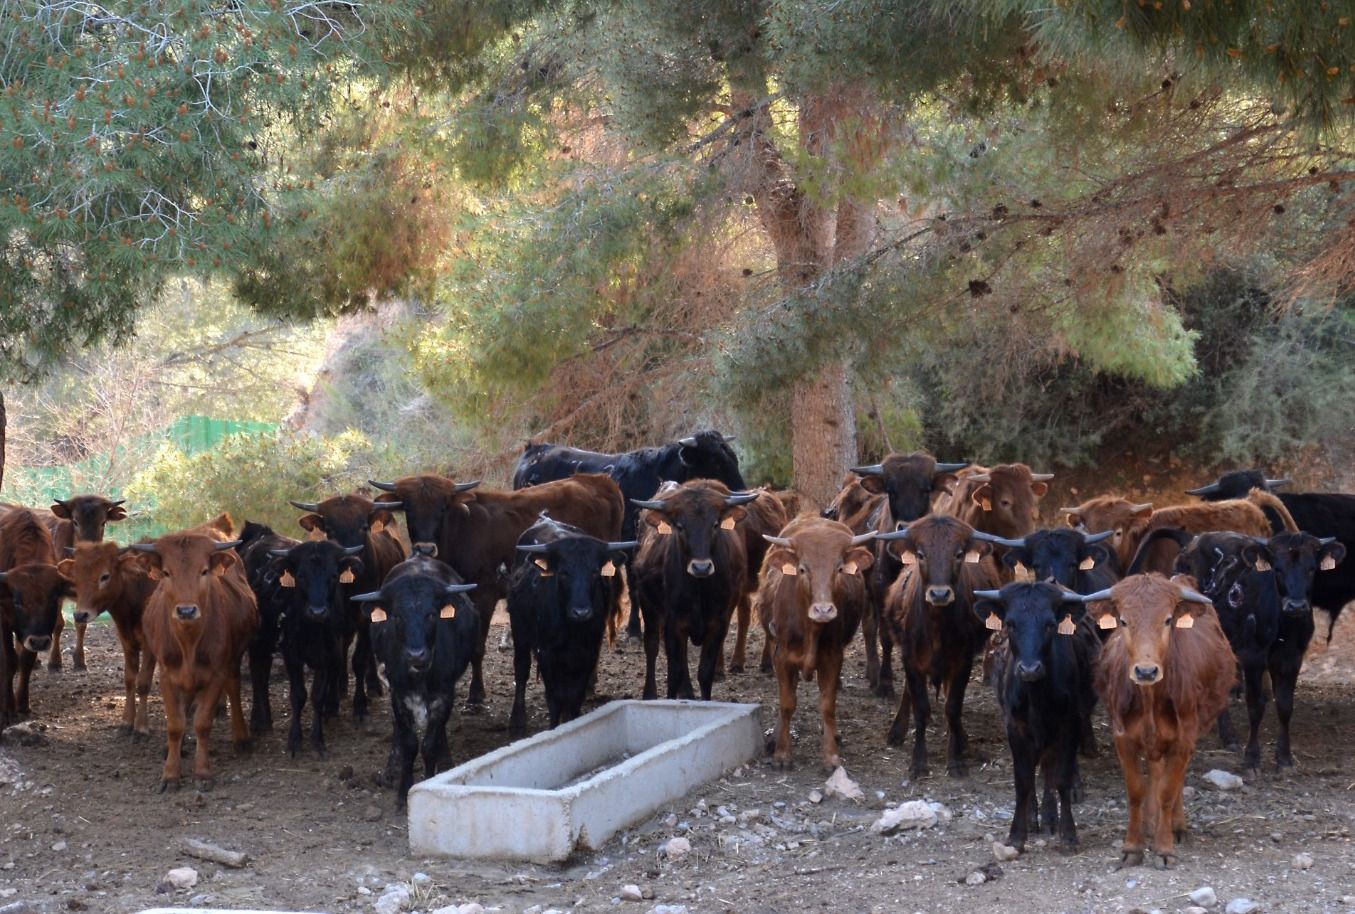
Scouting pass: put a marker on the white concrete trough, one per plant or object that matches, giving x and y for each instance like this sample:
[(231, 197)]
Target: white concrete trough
[(574, 787)]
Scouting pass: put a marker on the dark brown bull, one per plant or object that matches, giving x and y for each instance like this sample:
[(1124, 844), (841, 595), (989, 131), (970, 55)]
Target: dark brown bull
[(110, 579), (351, 521), (1164, 676), (476, 531), (811, 600), (198, 623), (31, 593), (79, 519), (1003, 501), (929, 610)]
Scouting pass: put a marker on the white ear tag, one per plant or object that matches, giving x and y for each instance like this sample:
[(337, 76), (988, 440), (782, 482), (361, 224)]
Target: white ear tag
[(316, 534), (447, 612), (1067, 626), (849, 567), (1107, 621), (287, 580), (1186, 621), (908, 558), (377, 526), (993, 623), (347, 576), (663, 528), (790, 569), (1327, 563), (1086, 564), (972, 557), (609, 570), (1261, 565), (727, 524), (543, 565), (378, 615)]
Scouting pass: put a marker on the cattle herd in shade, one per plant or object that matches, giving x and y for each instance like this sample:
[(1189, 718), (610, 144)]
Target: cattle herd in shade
[(1153, 613)]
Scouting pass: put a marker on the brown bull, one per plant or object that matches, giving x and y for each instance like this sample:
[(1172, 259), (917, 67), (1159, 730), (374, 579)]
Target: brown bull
[(31, 593), (1003, 501), (79, 519), (476, 531), (811, 600), (198, 623), (1164, 676)]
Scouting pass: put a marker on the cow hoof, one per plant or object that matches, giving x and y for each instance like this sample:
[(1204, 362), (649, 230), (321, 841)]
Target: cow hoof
[(473, 707), (170, 786), (1068, 846), (735, 668), (781, 762), (884, 690), (78, 666), (957, 770), (375, 689), (243, 746), (203, 784), (1283, 762), (895, 736), (918, 772), (1130, 858), (54, 666), (1164, 861), (260, 727), (141, 736)]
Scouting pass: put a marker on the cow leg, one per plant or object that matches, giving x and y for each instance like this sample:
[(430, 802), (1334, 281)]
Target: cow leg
[(870, 627), (1167, 778), (916, 689), (78, 660), (1256, 709), (240, 736), (898, 727), (362, 650), (1136, 791), (787, 681), (651, 634), (522, 673), (296, 692), (830, 666), (1049, 813), (342, 687), (1065, 779), (745, 619), (484, 605), (886, 686), (679, 675), (434, 746), (54, 655), (131, 666), (633, 629), (27, 660), (260, 668), (208, 700), (1023, 773), (321, 685), (1227, 739), (175, 721), (145, 674), (712, 651), (958, 741), (405, 748), (1284, 674), (7, 661)]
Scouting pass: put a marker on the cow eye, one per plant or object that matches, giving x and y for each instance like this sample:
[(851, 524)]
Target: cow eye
[(204, 572), (104, 578), (164, 573)]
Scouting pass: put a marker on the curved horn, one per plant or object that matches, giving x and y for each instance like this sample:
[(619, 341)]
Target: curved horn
[(1069, 510), (875, 469), (951, 467), (1209, 489), (1325, 540), (892, 535), (1146, 506), (649, 505), (353, 550), (980, 477), (1000, 541), (1089, 538), (229, 544), (863, 538), (383, 486), (776, 540), (304, 505), (1090, 597), (70, 550), (1041, 477), (727, 438), (366, 597), (1194, 596), (621, 547), (3, 576), (461, 486), (460, 588), (143, 547), (689, 441), (114, 504), (1273, 483), (988, 594), (279, 553), (740, 498), (534, 548)]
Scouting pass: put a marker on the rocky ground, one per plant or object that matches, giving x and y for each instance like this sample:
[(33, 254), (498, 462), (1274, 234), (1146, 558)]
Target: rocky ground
[(81, 827)]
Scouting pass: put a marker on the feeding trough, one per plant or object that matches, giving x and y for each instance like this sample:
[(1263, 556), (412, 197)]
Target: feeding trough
[(574, 787)]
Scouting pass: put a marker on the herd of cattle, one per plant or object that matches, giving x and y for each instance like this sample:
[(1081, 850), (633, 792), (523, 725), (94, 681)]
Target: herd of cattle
[(1152, 612)]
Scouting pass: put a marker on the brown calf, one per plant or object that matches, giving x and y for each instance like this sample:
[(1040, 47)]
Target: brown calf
[(1130, 523), (811, 600), (31, 593), (78, 519), (198, 623), (114, 580), (1003, 501), (1163, 676), (766, 516)]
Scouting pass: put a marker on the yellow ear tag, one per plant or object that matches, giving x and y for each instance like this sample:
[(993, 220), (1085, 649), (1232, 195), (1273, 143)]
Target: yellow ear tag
[(1067, 626), (663, 528), (972, 557), (447, 612), (609, 570), (543, 565), (1107, 622), (377, 526), (1086, 564), (790, 569), (727, 524), (849, 567), (1186, 621), (316, 534), (993, 623), (347, 576), (908, 558), (1327, 563), (287, 580), (986, 504), (378, 615), (1261, 565)]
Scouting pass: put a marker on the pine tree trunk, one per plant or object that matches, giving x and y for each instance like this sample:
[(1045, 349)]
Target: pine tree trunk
[(823, 433)]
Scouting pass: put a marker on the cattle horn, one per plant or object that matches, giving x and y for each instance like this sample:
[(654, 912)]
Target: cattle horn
[(892, 535), (689, 441), (1041, 477), (874, 469), (1146, 506), (465, 486), (3, 576), (776, 540), (460, 588), (1069, 510), (1272, 483), (305, 505), (353, 550), (863, 538), (1089, 538), (1325, 540), (1090, 597), (649, 505), (383, 486), (229, 544), (740, 498), (114, 504), (622, 546), (727, 438), (998, 540), (1194, 596), (388, 505), (988, 594), (1206, 490), (366, 597), (951, 467), (279, 553), (70, 550), (534, 548), (980, 477), (143, 547)]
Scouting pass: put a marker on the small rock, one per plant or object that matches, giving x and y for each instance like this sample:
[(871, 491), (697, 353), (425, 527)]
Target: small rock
[(975, 878), (59, 846), (449, 909), (371, 813), (1004, 852), (182, 877), (838, 784), (392, 901), (631, 893), (363, 890), (1222, 780), (421, 879), (647, 893), (912, 814), (671, 820), (816, 796), (471, 907), (677, 848), (1242, 906), (1302, 861), (1204, 896), (668, 909)]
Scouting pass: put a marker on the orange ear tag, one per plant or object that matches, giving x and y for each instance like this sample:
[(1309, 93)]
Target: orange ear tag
[(727, 524), (663, 528), (1067, 627), (377, 526), (789, 569), (316, 534), (378, 615), (543, 565), (993, 623), (986, 504), (972, 557), (153, 573), (1261, 565), (347, 576), (1107, 621), (447, 612), (849, 567), (1186, 621), (287, 580), (1086, 564), (908, 558), (1327, 563), (609, 570)]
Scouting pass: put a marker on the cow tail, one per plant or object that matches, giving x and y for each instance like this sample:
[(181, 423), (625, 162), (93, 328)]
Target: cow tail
[(1263, 499)]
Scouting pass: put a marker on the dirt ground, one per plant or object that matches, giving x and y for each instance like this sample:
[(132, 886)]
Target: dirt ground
[(81, 827)]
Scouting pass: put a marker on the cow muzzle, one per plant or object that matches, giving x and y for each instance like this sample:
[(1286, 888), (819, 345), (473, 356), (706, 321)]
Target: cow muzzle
[(940, 596), (1030, 672), (701, 568), (84, 616), (428, 549), (419, 661), (187, 611), (317, 612), (37, 643), (1146, 673), (822, 612), (580, 613), (1296, 607)]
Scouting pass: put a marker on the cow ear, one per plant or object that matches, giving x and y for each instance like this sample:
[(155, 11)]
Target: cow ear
[(1018, 556), (1097, 553), (783, 559), (117, 512), (60, 510), (990, 612), (1074, 518), (150, 563), (875, 485), (1257, 556), (981, 547), (221, 561), (65, 567), (858, 560), (983, 496), (902, 549), (658, 520), (311, 522), (1143, 512), (734, 514), (1330, 556), (352, 567), (945, 481), (1039, 488)]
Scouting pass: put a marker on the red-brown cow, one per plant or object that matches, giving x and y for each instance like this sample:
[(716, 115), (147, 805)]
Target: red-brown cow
[(1164, 676), (198, 623), (78, 519), (811, 600), (1003, 501), (31, 592), (114, 580), (766, 516), (476, 531)]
